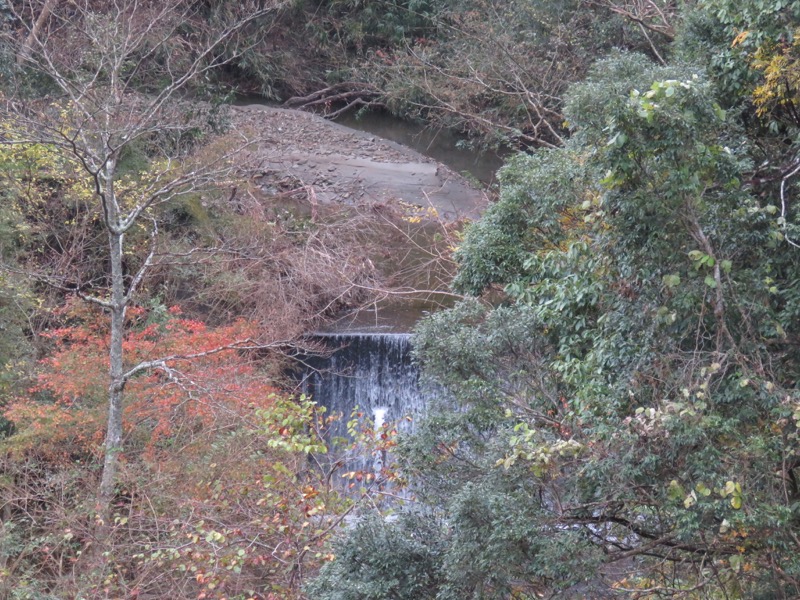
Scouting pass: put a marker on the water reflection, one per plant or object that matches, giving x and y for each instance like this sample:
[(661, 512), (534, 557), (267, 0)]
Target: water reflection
[(444, 146)]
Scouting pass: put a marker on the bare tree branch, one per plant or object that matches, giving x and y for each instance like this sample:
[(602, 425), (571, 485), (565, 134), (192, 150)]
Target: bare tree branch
[(94, 53)]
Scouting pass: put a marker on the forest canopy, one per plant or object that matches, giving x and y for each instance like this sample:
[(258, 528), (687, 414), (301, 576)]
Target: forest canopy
[(620, 407), (617, 410)]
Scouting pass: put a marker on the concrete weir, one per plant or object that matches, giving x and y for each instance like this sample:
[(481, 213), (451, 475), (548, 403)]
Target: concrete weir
[(371, 373)]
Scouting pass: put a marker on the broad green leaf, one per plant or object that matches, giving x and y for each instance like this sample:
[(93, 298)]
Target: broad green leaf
[(675, 491), (703, 489)]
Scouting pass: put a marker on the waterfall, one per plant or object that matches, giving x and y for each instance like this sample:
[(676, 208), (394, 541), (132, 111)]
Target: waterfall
[(371, 371)]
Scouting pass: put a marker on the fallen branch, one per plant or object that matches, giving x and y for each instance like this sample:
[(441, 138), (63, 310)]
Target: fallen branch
[(349, 93), (330, 92)]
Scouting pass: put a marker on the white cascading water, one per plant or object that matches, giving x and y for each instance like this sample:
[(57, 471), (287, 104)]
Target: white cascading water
[(370, 372)]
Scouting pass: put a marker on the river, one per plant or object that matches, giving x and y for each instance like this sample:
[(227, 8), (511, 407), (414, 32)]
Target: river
[(447, 147)]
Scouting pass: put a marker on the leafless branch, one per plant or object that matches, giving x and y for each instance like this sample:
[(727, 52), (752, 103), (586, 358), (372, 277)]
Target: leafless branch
[(790, 172)]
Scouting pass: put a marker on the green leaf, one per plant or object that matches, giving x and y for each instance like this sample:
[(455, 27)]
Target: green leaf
[(703, 489), (675, 491), (710, 281)]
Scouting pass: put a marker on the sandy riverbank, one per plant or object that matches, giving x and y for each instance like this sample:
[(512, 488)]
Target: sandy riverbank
[(345, 166)]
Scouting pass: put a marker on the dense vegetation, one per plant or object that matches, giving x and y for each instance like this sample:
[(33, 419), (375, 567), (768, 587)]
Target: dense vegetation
[(495, 70), (621, 409), (151, 295), (618, 411)]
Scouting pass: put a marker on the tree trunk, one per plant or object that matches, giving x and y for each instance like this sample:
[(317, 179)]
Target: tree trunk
[(34, 32), (113, 443)]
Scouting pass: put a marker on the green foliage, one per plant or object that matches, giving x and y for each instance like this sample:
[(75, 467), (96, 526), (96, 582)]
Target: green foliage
[(707, 36), (496, 244), (423, 557), (362, 24), (634, 392), (379, 559), (288, 426)]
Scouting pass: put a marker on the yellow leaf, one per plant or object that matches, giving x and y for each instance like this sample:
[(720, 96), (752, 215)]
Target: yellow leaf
[(742, 36)]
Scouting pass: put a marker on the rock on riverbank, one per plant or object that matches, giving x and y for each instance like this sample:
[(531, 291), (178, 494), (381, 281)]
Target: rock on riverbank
[(345, 166)]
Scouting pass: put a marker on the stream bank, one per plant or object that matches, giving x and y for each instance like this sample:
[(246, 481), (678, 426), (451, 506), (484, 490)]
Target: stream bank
[(340, 165)]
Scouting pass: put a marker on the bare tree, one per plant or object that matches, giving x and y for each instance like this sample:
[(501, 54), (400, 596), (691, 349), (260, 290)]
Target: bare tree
[(651, 16), (500, 71), (117, 72)]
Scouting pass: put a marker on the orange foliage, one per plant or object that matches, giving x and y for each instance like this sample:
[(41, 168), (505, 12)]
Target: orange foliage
[(64, 412), (215, 473)]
